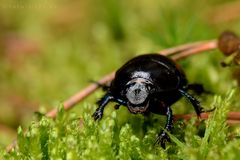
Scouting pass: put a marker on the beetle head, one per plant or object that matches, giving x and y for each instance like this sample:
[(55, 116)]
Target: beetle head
[(137, 93)]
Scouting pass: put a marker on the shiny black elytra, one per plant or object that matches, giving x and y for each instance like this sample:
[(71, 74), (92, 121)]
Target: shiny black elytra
[(149, 83)]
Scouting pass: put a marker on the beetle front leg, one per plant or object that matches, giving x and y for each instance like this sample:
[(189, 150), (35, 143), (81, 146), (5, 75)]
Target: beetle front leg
[(163, 136), (102, 103), (194, 102)]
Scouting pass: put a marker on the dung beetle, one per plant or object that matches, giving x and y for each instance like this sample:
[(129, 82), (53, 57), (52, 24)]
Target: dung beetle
[(149, 83)]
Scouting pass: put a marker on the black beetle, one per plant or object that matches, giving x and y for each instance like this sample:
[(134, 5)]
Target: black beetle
[(149, 83)]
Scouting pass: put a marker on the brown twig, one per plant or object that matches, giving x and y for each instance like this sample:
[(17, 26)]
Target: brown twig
[(232, 117), (182, 48), (195, 50)]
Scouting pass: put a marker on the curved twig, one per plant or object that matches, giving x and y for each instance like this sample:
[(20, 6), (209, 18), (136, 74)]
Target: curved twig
[(182, 48), (232, 117), (195, 50)]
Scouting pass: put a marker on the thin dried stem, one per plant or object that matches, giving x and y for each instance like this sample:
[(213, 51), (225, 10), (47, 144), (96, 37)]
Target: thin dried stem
[(181, 48), (232, 117), (210, 45)]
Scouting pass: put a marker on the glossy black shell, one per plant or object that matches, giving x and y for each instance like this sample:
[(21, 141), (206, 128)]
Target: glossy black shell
[(166, 76), (149, 83)]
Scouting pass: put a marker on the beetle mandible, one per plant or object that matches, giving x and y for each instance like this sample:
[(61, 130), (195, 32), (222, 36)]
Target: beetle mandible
[(149, 83)]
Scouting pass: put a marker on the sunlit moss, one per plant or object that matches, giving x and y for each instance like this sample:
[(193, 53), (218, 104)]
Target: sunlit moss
[(71, 137)]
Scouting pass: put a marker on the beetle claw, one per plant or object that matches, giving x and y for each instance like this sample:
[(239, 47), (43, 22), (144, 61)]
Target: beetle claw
[(162, 139), (97, 115), (117, 106)]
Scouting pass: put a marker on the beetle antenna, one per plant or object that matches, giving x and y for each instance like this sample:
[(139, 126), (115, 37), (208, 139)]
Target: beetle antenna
[(103, 86)]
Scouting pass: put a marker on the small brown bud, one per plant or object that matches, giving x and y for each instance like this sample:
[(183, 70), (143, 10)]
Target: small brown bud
[(228, 42)]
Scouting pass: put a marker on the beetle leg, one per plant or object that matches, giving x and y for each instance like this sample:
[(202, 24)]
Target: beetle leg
[(163, 136), (194, 102), (102, 103), (117, 106), (120, 101)]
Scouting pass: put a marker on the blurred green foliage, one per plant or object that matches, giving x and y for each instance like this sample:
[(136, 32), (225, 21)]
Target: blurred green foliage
[(49, 50)]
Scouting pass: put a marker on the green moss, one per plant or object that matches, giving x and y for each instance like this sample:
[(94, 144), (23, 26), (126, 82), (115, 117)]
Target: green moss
[(73, 137)]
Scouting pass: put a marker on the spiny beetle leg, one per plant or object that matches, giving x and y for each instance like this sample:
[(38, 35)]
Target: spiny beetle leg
[(97, 115), (163, 136)]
